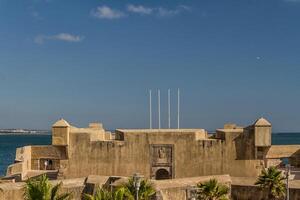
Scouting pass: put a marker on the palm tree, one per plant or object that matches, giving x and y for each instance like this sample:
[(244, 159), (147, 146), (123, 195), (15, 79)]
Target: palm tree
[(272, 180), (127, 190), (41, 189), (212, 190), (101, 194)]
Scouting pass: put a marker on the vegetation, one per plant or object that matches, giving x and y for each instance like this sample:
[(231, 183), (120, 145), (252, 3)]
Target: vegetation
[(101, 194), (124, 192), (145, 192), (272, 180), (212, 190), (41, 189)]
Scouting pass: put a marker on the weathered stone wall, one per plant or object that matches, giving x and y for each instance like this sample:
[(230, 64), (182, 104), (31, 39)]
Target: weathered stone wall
[(191, 157), (15, 191), (23, 158), (244, 192), (42, 152), (173, 193)]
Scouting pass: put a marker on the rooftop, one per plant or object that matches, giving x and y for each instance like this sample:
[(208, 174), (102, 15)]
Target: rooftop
[(262, 122), (160, 130), (61, 123)]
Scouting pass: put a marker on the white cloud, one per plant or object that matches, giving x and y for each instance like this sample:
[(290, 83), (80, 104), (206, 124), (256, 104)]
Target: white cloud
[(184, 8), (139, 9), (40, 39), (163, 12), (68, 37), (105, 12)]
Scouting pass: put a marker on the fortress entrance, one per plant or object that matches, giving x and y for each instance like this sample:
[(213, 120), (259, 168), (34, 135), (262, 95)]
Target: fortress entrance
[(162, 174), (161, 161)]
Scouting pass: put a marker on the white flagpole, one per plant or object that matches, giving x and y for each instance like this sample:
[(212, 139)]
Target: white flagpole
[(169, 108), (158, 95), (178, 108), (150, 108)]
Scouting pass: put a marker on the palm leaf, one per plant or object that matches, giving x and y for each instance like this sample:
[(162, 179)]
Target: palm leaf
[(212, 190), (271, 179), (41, 189), (88, 197), (65, 196)]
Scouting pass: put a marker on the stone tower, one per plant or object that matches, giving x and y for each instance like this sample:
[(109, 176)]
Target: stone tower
[(263, 131), (262, 137), (60, 133)]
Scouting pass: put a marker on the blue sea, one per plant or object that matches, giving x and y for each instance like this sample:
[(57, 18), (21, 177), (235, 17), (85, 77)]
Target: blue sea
[(9, 143)]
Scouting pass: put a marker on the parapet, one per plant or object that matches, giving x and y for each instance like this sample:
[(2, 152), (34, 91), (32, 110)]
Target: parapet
[(164, 134), (96, 125)]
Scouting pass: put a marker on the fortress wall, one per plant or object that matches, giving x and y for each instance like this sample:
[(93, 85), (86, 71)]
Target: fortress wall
[(95, 134), (204, 157), (238, 153), (78, 152), (16, 168), (106, 157), (23, 158), (191, 157), (46, 152)]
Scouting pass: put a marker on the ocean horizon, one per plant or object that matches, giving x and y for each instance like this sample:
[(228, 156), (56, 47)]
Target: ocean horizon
[(9, 143)]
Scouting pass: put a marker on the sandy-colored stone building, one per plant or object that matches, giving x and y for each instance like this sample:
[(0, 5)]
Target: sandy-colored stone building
[(155, 153)]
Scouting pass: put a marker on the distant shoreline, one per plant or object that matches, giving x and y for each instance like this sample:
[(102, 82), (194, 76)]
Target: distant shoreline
[(26, 134), (49, 133)]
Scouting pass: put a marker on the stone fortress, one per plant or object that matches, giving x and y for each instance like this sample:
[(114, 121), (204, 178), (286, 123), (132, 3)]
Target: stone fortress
[(156, 153)]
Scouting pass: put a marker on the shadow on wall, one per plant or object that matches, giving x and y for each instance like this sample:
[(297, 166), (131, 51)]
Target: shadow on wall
[(244, 146)]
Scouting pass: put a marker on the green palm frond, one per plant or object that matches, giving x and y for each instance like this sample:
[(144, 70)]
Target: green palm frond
[(101, 194), (146, 190), (119, 194), (65, 196), (212, 190), (88, 197), (41, 189), (54, 191), (124, 192), (272, 180)]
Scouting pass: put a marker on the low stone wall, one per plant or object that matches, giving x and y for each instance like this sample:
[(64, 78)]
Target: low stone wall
[(172, 189), (15, 191), (15, 168), (244, 192)]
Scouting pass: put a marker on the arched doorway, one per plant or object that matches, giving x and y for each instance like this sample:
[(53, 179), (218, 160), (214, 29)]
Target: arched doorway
[(162, 174)]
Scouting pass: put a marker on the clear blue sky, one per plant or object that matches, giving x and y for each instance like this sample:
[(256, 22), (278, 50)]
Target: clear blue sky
[(234, 61)]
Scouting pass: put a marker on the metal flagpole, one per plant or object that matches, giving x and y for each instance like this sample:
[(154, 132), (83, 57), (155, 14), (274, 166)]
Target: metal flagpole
[(178, 108), (158, 95), (150, 108), (169, 108)]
